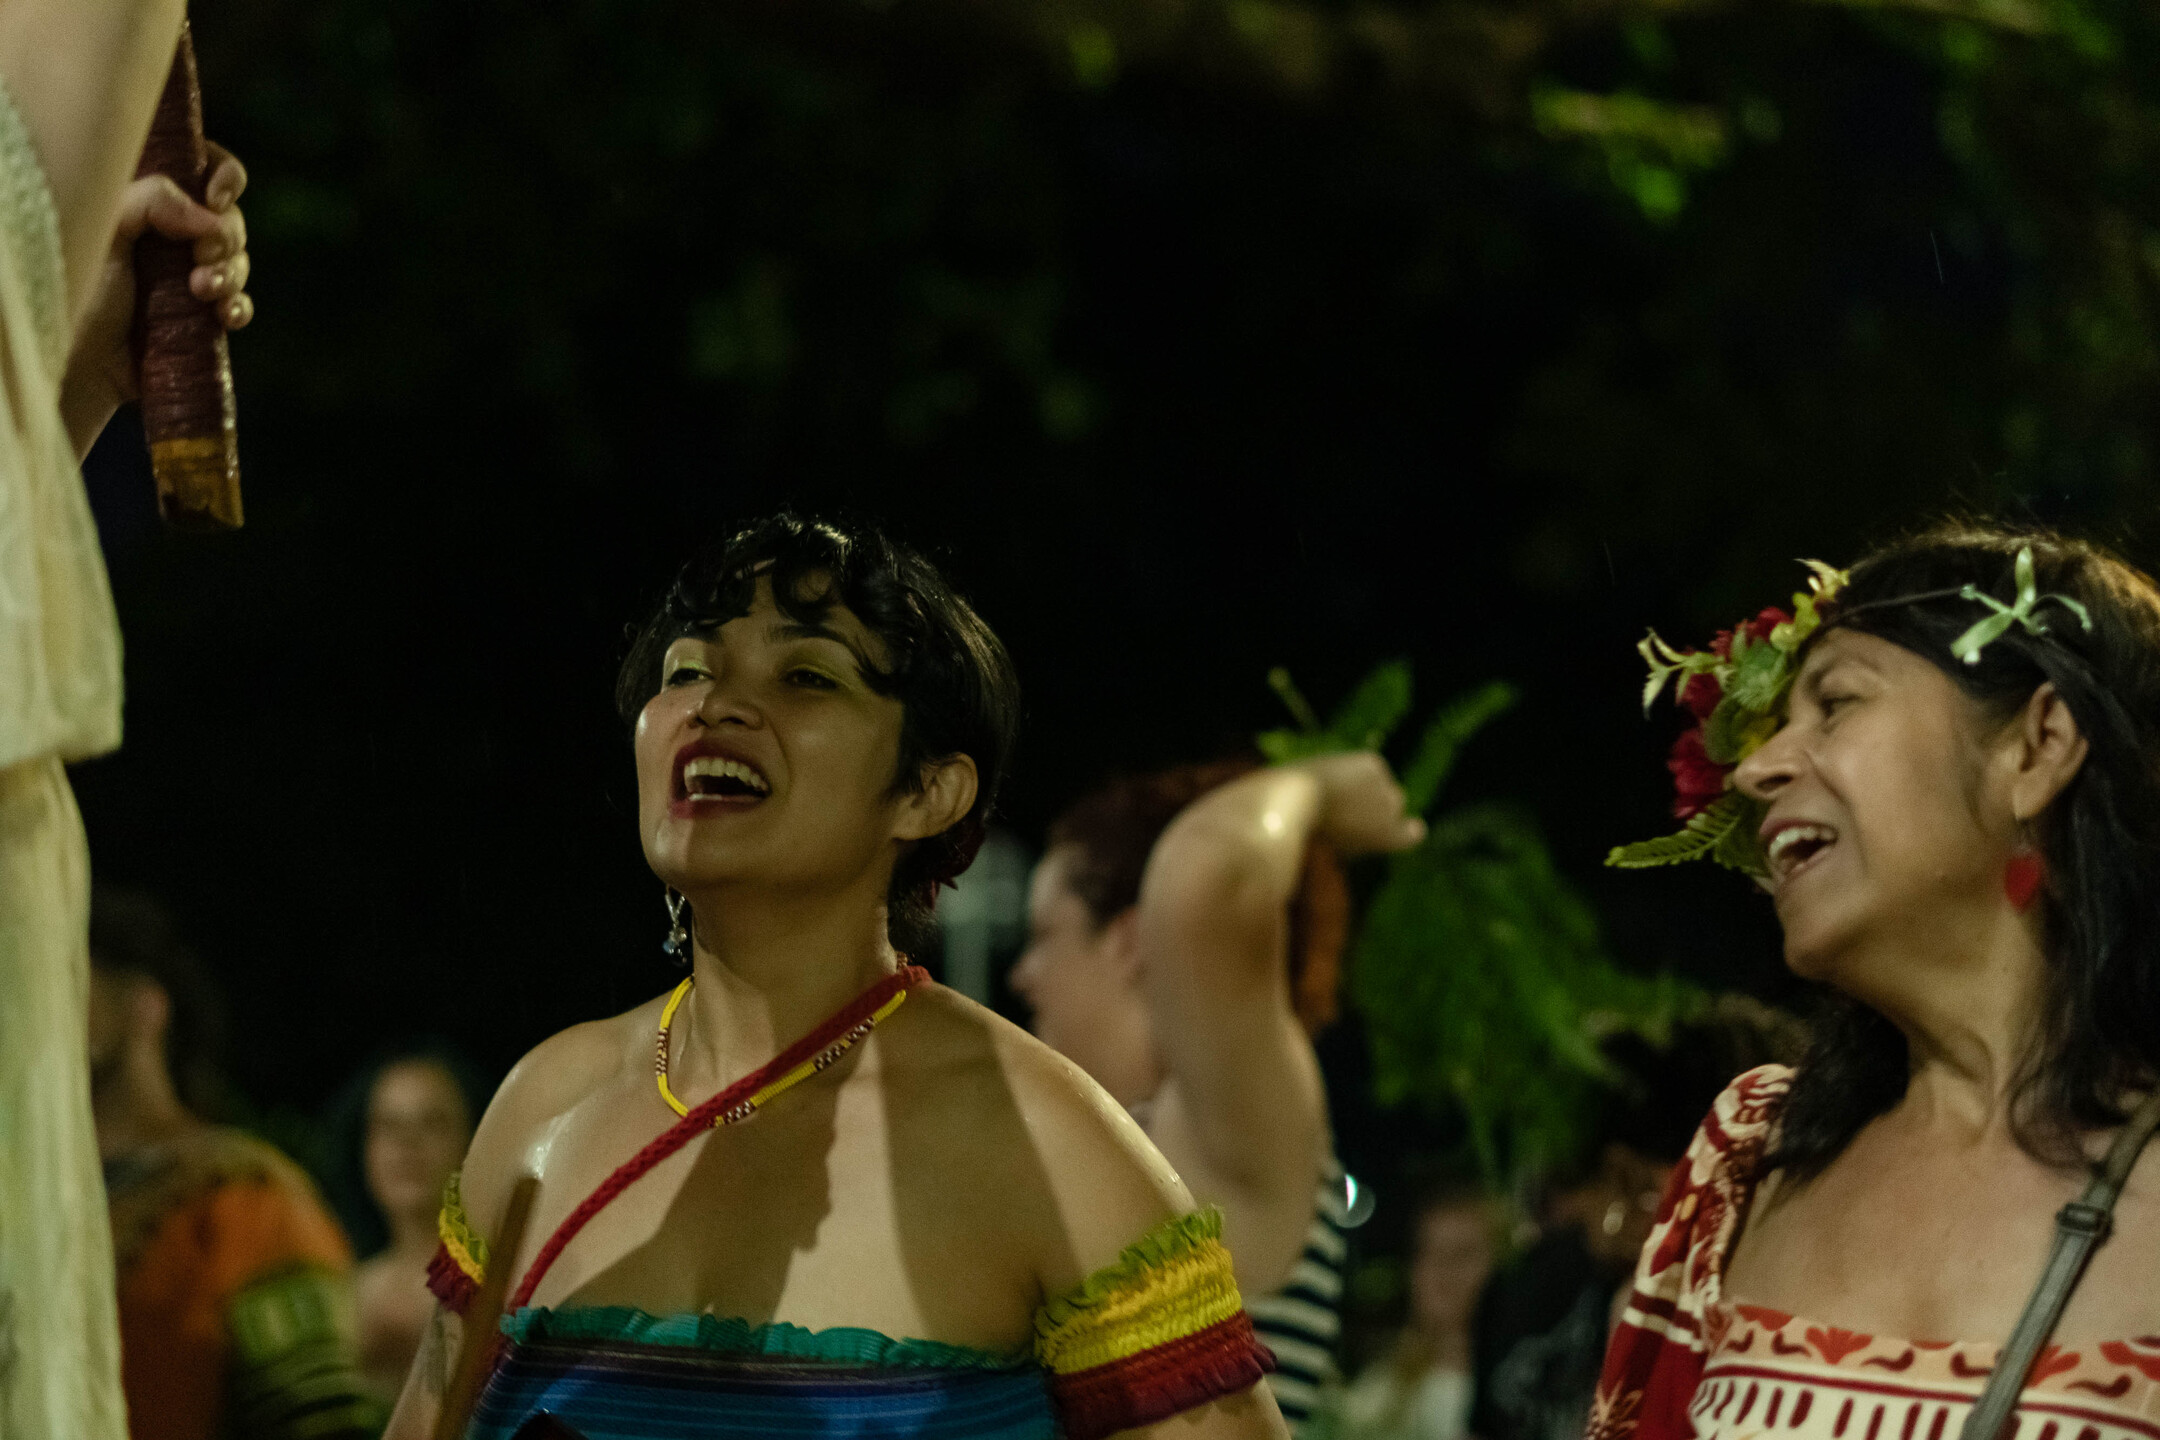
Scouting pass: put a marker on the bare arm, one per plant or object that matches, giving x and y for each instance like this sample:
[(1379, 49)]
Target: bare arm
[(1213, 934), (1251, 1415), (538, 1088), (85, 75), (428, 1380), (1111, 1187)]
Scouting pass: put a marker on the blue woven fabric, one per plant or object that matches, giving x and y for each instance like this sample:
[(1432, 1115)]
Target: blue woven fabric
[(626, 1375)]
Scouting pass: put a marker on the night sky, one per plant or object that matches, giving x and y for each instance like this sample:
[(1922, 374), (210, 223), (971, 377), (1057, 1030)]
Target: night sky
[(1179, 381)]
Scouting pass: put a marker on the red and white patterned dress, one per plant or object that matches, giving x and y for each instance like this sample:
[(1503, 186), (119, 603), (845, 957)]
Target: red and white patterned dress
[(1685, 1363)]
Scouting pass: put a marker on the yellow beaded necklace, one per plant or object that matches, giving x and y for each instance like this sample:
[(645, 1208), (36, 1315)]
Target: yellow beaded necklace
[(748, 1107)]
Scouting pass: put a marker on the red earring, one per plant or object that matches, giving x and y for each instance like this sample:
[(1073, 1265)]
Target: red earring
[(2022, 878)]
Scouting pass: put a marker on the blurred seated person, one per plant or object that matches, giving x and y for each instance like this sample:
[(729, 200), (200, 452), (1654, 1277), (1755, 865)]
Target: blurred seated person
[(1186, 937), (1422, 1389), (234, 1282), (1542, 1324), (399, 1129)]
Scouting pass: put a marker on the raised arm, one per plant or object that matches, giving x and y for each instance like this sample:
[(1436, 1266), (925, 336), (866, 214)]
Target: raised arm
[(1245, 1113), (85, 75)]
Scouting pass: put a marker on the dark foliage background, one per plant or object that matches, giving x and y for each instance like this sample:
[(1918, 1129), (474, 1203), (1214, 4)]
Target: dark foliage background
[(1197, 336)]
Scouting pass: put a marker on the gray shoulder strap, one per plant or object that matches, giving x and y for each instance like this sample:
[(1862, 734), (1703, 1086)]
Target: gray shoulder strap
[(2080, 1226)]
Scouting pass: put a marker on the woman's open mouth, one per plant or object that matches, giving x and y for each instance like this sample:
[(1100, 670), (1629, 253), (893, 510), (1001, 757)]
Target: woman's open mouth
[(1797, 845), (710, 784)]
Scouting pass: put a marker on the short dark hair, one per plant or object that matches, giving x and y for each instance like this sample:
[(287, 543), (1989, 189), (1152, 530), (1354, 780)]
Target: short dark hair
[(133, 934), (1113, 831), (2099, 1037), (948, 669)]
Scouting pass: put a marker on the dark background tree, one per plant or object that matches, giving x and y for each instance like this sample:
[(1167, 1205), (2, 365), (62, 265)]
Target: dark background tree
[(1196, 337)]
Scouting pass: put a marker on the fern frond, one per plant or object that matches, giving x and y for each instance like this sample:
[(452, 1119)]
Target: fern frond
[(1706, 830)]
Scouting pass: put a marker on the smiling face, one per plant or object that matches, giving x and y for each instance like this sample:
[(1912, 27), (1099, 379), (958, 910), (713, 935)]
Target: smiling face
[(417, 1128), (1891, 815), (767, 756)]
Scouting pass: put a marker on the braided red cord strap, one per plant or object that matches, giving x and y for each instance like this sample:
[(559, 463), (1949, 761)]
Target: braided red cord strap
[(701, 1117)]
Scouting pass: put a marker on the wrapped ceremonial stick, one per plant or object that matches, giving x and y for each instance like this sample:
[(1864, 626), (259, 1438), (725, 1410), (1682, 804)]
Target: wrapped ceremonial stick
[(479, 1332), (185, 374)]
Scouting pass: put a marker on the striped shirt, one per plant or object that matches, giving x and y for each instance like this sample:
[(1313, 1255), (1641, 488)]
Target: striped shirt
[(1302, 1321)]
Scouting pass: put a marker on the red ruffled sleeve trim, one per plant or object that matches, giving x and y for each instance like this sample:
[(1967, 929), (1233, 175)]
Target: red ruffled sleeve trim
[(449, 1282), (1224, 1359)]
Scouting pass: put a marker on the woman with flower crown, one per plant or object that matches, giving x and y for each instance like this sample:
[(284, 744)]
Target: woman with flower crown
[(1945, 768), (810, 1192)]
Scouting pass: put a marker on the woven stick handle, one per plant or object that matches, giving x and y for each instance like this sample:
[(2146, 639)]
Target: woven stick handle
[(185, 372), (480, 1337)]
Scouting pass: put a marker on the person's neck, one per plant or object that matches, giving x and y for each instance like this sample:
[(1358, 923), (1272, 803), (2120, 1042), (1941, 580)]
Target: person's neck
[(135, 1106), (1968, 1001), (769, 969), (413, 1237)]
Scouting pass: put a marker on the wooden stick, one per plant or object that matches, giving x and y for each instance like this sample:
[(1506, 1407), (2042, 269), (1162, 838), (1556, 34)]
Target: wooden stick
[(185, 370), (478, 1334)]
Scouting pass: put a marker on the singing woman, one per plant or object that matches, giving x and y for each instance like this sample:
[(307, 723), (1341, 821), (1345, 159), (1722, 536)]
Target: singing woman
[(808, 1191), (1946, 770)]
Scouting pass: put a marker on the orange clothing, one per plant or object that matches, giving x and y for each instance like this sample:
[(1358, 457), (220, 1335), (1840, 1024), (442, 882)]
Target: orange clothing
[(195, 1227)]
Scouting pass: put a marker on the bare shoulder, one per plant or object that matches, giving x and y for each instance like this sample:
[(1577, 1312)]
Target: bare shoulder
[(551, 1078), (1108, 1181)]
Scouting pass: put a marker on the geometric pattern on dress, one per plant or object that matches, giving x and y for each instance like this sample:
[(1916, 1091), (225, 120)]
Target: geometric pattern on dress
[(1684, 1363)]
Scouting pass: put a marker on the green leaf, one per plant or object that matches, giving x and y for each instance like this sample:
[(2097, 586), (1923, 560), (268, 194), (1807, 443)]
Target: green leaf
[(1706, 830), (1282, 747), (1759, 679), (1967, 647), (1486, 992), (1723, 732), (1464, 717), (1741, 848), (1374, 709)]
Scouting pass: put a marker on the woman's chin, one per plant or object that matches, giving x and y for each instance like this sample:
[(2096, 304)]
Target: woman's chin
[(1814, 942)]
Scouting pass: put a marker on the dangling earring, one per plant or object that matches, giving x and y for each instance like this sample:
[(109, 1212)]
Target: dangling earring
[(677, 945), (2023, 876)]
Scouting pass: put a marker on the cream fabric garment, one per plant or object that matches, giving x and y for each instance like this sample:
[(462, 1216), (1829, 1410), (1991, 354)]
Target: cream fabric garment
[(59, 700)]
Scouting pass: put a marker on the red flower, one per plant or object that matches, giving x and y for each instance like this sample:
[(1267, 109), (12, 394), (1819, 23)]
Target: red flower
[(1697, 780), (1757, 629), (1700, 695)]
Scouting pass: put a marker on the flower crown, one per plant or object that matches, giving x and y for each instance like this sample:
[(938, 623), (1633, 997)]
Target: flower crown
[(1736, 691)]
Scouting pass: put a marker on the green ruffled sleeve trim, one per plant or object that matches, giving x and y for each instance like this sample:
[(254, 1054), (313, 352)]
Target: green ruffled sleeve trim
[(841, 1345), (1169, 1241), (458, 1237)]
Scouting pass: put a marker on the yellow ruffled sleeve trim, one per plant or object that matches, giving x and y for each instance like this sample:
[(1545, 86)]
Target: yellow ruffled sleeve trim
[(466, 1249), (1173, 1282)]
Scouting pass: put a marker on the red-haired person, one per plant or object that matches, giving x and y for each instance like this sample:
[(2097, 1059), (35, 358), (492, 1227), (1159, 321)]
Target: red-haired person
[(1186, 934)]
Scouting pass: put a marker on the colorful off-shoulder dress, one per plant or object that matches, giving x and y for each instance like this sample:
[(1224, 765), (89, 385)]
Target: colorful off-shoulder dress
[(1159, 1331), (1686, 1363)]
